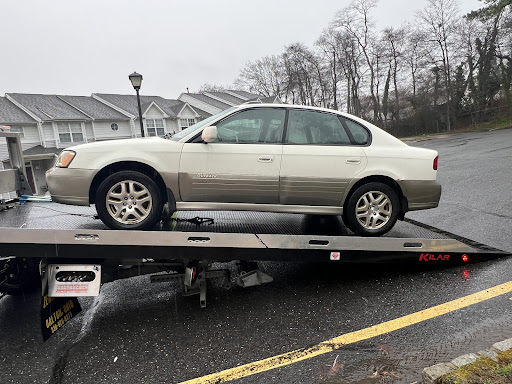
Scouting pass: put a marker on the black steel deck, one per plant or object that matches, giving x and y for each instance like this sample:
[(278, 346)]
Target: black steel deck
[(53, 230), (65, 217)]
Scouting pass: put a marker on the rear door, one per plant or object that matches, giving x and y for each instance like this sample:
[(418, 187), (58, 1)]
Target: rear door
[(242, 166), (319, 159)]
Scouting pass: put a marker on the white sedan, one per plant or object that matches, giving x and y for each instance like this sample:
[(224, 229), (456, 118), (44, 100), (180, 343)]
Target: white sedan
[(258, 157)]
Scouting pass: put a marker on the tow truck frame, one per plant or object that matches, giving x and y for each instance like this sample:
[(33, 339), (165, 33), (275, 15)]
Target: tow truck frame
[(78, 254)]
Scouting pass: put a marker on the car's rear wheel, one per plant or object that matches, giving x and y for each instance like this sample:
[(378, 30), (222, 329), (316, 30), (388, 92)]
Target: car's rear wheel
[(372, 210), (129, 200)]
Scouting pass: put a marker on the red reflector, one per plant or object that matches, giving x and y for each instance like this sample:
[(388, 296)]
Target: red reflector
[(435, 163), (465, 258)]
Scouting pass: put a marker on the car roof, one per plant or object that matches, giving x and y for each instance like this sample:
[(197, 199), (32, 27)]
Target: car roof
[(293, 106), (306, 107)]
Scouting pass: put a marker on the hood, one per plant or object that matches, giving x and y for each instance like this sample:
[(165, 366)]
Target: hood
[(152, 151), (107, 144)]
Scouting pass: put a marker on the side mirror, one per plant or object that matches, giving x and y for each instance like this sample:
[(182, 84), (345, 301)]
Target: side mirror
[(209, 134)]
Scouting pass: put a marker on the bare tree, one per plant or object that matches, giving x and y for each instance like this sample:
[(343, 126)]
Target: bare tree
[(265, 76), (355, 20), (343, 58), (305, 75), (328, 44), (414, 55), (207, 87), (439, 21), (395, 41)]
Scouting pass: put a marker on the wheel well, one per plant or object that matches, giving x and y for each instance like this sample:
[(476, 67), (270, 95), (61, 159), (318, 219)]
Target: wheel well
[(127, 166), (385, 180)]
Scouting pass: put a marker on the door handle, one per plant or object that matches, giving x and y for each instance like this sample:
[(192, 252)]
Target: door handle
[(266, 159), (353, 160)]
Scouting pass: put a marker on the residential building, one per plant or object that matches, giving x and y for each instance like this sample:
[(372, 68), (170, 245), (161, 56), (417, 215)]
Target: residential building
[(160, 115)]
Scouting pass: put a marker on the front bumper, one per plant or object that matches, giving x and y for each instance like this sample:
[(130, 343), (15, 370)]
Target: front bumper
[(421, 194), (70, 185)]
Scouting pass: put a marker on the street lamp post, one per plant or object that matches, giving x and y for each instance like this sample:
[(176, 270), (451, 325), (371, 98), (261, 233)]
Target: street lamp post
[(136, 79)]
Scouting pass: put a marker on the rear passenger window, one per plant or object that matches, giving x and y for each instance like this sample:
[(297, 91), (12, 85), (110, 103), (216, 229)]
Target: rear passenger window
[(315, 128), (360, 134)]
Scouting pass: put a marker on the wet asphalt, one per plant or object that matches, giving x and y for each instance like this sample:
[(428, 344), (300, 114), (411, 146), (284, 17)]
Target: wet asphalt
[(139, 332)]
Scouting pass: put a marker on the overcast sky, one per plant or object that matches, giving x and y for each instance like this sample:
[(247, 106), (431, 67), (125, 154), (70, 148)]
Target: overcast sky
[(77, 47)]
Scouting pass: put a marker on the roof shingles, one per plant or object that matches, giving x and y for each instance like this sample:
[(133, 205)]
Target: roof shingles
[(94, 108), (208, 100), (48, 107), (245, 94), (229, 98), (128, 103), (11, 114)]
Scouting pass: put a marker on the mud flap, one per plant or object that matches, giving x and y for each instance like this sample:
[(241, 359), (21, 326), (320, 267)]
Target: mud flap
[(55, 312)]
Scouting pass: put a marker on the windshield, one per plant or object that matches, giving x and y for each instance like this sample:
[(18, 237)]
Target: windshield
[(180, 135)]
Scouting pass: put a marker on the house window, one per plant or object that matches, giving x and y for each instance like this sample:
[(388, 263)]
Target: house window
[(18, 129), (70, 132), (155, 127), (114, 127), (185, 123)]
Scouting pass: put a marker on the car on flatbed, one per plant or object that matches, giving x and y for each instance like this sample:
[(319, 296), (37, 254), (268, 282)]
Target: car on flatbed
[(255, 157)]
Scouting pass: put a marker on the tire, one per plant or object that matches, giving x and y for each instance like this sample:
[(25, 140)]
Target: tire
[(21, 276), (372, 210), (346, 221), (129, 200)]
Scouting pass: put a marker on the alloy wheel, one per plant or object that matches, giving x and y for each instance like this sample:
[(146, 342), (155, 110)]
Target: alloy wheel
[(373, 210), (129, 202)]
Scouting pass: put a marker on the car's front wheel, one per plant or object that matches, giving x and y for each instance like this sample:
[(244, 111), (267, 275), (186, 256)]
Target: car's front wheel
[(129, 200), (372, 210)]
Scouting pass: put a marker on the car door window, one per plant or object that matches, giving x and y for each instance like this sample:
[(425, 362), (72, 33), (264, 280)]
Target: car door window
[(361, 135), (316, 128), (259, 125)]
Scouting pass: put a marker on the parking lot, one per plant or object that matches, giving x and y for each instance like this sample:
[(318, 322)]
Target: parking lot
[(140, 332)]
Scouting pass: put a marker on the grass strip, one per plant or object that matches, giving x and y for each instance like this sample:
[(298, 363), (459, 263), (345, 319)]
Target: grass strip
[(482, 371)]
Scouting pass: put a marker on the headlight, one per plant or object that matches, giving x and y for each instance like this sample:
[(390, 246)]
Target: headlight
[(65, 158)]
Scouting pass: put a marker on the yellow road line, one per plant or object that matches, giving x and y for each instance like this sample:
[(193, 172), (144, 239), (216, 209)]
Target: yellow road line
[(350, 338)]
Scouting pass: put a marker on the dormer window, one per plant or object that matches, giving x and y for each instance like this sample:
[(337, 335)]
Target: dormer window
[(155, 127), (185, 123), (70, 132)]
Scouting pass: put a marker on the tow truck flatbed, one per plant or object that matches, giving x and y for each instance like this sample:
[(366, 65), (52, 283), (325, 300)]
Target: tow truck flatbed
[(50, 230), (76, 253)]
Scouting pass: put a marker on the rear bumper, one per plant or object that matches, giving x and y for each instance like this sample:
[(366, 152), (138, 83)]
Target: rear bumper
[(421, 194), (70, 186)]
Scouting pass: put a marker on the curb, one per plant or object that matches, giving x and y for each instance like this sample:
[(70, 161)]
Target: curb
[(433, 373)]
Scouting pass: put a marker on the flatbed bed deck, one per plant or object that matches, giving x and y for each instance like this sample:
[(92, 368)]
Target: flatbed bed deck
[(53, 230)]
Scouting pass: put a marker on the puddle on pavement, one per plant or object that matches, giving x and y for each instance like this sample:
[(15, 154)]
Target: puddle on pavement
[(390, 362)]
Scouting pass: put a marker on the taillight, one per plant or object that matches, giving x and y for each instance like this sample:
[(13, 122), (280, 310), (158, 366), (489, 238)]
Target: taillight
[(435, 163)]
